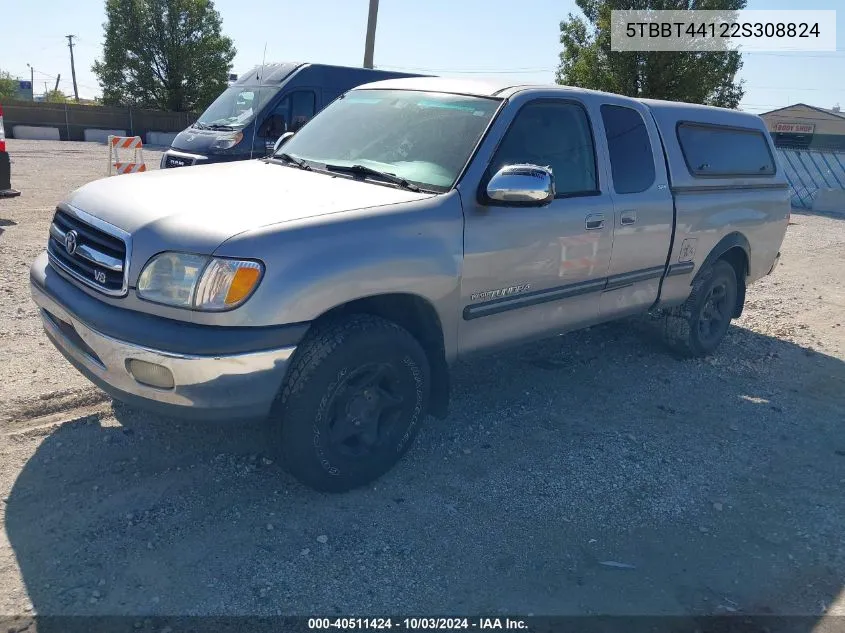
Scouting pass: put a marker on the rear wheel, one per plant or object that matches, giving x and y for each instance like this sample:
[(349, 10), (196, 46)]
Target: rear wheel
[(698, 326), (356, 395)]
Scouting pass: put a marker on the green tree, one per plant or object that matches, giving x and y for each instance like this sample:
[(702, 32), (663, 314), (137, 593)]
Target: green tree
[(56, 96), (694, 77), (163, 54), (8, 85)]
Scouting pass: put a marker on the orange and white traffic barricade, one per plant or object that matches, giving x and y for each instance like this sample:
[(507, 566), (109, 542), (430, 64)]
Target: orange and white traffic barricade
[(126, 143), (6, 190)]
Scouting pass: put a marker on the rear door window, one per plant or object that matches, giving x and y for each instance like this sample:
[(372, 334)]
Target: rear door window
[(712, 150), (631, 156)]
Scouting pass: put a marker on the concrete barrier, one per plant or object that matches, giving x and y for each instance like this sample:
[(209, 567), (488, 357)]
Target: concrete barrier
[(829, 201), (164, 139), (36, 133), (101, 136), (72, 120)]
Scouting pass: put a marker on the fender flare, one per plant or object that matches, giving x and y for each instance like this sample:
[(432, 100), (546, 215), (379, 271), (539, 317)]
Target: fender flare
[(731, 240)]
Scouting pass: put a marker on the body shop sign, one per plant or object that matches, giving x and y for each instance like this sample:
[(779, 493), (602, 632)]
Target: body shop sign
[(795, 128)]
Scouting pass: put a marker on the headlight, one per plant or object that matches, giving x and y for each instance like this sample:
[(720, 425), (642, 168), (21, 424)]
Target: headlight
[(227, 142), (199, 282), (227, 283), (171, 278)]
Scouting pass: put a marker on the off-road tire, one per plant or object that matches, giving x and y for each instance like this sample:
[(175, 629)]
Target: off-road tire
[(680, 324), (330, 351)]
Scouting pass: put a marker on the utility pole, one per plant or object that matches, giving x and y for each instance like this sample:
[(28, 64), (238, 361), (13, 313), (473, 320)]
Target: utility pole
[(72, 67), (370, 43), (57, 82), (32, 80)]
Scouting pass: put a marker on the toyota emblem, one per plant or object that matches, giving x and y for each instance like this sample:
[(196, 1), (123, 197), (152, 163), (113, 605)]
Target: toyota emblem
[(70, 242)]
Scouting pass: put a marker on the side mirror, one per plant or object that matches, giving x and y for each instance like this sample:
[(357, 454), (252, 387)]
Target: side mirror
[(522, 185), (281, 141)]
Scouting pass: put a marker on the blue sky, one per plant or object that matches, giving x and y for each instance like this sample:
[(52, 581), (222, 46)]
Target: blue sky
[(470, 38)]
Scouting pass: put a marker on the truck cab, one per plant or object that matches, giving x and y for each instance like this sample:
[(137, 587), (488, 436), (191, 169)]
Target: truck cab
[(250, 115)]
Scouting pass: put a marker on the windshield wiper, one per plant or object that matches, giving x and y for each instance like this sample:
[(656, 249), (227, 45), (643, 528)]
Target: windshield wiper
[(363, 170), (219, 127), (293, 160)]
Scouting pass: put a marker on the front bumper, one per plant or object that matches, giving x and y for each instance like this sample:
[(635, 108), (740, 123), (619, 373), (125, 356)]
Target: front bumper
[(174, 158), (214, 386)]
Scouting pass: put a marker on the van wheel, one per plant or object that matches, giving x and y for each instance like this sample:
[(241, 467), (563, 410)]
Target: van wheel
[(698, 326), (352, 404)]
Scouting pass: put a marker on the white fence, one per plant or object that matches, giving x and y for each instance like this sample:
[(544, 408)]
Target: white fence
[(817, 178)]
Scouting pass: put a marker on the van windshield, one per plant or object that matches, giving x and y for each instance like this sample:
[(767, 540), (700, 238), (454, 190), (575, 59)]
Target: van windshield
[(236, 106), (425, 138)]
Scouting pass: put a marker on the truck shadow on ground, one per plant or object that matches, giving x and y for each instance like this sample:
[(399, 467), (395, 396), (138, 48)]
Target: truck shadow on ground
[(593, 473)]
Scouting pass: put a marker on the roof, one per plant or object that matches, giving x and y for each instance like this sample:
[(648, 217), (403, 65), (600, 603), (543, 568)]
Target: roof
[(827, 111), (471, 87), (505, 89), (474, 87), (272, 72), (669, 113)]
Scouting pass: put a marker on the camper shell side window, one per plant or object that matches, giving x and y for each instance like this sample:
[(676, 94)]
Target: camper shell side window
[(711, 150)]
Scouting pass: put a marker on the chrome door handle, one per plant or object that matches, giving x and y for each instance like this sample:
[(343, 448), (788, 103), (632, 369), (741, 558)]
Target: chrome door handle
[(628, 217), (594, 221)]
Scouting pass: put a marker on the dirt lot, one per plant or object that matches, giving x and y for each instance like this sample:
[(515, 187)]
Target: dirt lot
[(594, 473)]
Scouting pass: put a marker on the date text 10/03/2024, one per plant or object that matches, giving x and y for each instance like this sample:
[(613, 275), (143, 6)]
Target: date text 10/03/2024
[(416, 623)]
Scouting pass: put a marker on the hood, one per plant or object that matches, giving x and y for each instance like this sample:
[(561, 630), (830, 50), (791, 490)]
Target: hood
[(197, 208), (196, 141)]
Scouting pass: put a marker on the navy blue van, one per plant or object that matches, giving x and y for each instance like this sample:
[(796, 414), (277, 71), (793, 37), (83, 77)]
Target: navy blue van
[(250, 115)]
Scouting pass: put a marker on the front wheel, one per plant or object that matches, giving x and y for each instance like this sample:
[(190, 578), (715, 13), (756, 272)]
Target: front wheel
[(356, 395), (698, 326)]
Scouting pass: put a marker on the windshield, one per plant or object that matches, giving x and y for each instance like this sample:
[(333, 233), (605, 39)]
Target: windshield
[(425, 138), (237, 106)]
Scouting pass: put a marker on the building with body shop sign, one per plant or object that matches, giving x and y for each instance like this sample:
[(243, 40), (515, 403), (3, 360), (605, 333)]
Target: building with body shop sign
[(803, 126)]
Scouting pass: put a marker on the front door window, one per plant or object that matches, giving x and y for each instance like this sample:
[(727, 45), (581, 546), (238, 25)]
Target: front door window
[(556, 135)]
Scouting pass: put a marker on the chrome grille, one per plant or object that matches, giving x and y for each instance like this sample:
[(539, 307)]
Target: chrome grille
[(89, 250)]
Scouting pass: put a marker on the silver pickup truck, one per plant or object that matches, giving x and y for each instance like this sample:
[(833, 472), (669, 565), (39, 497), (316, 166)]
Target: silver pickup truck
[(410, 223)]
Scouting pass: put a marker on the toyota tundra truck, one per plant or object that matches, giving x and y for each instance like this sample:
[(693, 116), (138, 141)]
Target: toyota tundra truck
[(410, 223)]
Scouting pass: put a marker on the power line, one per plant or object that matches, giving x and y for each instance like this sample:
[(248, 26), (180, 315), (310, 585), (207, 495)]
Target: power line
[(785, 53), (519, 71), (807, 118), (41, 72), (799, 88), (86, 43)]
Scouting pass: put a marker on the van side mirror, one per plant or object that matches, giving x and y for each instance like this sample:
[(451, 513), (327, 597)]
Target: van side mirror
[(522, 185), (281, 141)]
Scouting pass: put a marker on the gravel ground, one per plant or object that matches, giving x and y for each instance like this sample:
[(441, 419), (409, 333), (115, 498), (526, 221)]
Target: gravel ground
[(591, 474)]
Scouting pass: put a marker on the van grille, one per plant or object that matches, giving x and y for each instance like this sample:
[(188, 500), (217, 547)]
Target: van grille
[(88, 253)]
